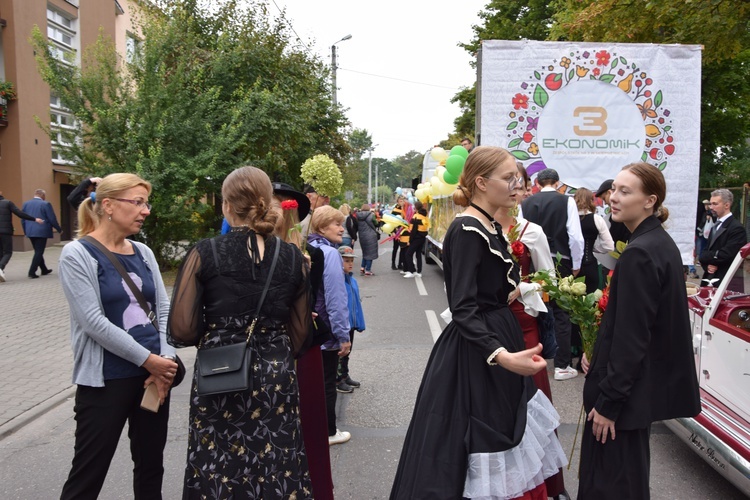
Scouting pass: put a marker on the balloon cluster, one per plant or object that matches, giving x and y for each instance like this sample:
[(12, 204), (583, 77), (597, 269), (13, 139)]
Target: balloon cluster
[(392, 222), (446, 174), (408, 195)]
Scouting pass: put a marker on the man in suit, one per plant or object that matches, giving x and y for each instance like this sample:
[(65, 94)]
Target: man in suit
[(39, 233), (558, 216), (725, 239), (7, 209)]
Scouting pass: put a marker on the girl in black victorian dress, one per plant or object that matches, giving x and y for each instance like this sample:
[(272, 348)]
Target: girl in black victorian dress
[(480, 429), (642, 368), (245, 444)]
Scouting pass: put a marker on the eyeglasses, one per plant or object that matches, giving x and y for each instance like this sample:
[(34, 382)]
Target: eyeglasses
[(139, 204), (512, 183)]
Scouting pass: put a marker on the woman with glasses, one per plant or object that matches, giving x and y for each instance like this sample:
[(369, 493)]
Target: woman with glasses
[(480, 428), (117, 350)]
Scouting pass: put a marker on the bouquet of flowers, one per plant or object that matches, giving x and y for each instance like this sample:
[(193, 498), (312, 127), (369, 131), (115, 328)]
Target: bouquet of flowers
[(322, 173), (585, 310)]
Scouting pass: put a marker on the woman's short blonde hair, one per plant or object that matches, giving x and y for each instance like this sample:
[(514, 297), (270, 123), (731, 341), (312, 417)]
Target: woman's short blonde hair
[(345, 209), (323, 217), (112, 186)]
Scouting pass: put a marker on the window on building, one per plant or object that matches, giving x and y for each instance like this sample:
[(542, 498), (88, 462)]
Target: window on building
[(61, 32), (132, 48), (64, 130)]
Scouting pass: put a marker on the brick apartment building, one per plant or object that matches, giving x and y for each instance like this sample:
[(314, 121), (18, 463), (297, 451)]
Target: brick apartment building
[(29, 160)]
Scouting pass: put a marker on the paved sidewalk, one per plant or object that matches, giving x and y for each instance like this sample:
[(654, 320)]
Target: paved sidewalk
[(35, 336)]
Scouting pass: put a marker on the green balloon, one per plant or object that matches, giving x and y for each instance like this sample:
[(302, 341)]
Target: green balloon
[(455, 164), (459, 151), (449, 178)]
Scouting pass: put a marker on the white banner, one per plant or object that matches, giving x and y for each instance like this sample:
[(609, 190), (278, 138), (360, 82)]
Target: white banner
[(588, 109)]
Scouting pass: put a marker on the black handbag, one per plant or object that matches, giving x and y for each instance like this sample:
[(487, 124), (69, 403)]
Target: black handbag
[(180, 375), (228, 368)]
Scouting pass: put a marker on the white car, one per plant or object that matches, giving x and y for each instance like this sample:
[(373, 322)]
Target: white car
[(720, 319)]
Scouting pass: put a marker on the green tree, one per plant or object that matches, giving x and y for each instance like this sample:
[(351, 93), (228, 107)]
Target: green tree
[(720, 26), (501, 20), (212, 88)]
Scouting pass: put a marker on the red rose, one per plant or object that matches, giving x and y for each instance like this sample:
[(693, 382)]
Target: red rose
[(603, 302), (517, 247), (289, 205)]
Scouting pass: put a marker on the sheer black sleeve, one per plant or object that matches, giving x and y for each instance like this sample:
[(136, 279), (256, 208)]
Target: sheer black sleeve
[(185, 324)]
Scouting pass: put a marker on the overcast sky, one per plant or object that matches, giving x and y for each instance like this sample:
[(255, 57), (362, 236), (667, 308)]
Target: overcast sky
[(394, 42)]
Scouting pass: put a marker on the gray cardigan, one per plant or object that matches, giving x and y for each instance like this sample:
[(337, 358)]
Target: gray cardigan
[(90, 330)]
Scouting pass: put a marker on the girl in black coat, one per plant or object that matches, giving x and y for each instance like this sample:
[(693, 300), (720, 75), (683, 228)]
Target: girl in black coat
[(642, 368)]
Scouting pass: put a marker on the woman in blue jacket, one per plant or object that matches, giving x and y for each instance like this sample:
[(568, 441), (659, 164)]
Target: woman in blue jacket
[(330, 303)]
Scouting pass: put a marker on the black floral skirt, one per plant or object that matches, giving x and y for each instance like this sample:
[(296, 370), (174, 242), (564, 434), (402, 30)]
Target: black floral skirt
[(249, 444)]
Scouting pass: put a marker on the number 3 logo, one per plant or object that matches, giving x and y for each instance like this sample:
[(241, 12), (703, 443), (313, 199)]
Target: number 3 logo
[(594, 120)]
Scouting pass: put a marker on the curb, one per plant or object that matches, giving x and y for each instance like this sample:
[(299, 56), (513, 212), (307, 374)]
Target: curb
[(16, 423)]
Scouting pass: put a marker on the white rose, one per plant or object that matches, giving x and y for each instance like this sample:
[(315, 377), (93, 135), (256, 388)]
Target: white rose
[(578, 288), (598, 295)]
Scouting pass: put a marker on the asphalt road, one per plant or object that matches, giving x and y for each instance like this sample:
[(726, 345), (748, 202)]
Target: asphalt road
[(403, 319)]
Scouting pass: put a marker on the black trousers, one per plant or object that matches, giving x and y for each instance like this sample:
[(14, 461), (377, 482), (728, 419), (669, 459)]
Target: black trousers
[(330, 368), (6, 249), (394, 254), (39, 244), (616, 469), (563, 326), (415, 248), (343, 372), (101, 413)]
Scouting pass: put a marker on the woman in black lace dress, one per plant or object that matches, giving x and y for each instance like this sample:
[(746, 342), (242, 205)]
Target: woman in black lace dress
[(245, 444), (480, 428)]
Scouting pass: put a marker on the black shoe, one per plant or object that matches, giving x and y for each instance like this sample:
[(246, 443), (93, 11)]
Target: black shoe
[(352, 383), (394, 267), (562, 496), (344, 387), (33, 276), (45, 273)]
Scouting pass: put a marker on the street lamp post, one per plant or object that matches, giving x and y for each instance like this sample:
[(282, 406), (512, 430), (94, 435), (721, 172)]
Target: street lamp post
[(369, 175), (334, 66)]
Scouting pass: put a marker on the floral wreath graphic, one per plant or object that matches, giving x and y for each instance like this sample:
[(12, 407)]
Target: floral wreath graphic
[(578, 65)]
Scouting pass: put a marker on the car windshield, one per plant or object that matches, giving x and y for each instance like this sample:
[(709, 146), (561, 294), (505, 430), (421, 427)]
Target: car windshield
[(740, 281)]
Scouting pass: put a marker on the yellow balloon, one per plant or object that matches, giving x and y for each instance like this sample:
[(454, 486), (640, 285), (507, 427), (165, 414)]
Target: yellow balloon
[(439, 171), (439, 154), (387, 228), (447, 188)]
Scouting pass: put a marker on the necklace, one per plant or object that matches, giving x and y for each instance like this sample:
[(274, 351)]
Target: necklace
[(484, 212)]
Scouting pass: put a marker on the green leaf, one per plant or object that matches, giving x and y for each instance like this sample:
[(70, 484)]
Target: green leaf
[(662, 165), (537, 75), (607, 78), (614, 64), (515, 142), (511, 125), (520, 155), (644, 156), (570, 74), (540, 96), (667, 128), (622, 60), (657, 99)]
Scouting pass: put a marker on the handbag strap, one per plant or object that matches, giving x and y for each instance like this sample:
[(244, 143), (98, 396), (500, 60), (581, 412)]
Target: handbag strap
[(125, 276)]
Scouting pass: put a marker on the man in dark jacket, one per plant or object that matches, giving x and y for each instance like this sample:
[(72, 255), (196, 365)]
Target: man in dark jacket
[(39, 207), (726, 238), (7, 208)]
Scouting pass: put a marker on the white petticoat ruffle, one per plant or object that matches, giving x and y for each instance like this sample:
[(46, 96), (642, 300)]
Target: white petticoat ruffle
[(509, 474)]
